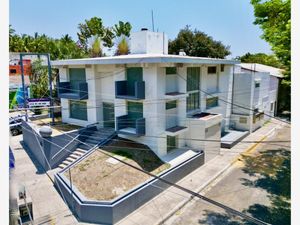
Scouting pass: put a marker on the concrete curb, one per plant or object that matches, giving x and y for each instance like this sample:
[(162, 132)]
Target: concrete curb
[(248, 150)]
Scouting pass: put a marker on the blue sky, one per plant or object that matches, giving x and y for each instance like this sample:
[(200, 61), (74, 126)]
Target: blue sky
[(229, 21)]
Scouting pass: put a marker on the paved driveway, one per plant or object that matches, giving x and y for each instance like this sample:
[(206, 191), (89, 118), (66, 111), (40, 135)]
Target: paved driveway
[(258, 184)]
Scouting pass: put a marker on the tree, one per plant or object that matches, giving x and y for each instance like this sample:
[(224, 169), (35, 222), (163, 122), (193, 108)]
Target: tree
[(63, 48), (197, 43), (274, 18), (122, 46), (261, 58), (93, 28), (122, 29)]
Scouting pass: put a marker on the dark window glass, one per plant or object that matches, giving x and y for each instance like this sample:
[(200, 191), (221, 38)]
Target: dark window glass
[(171, 104), (192, 101), (78, 110), (212, 70), (193, 78), (222, 67), (171, 70), (211, 102)]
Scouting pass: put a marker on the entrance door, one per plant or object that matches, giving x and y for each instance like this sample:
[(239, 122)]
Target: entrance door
[(133, 74), (171, 143), (108, 115)]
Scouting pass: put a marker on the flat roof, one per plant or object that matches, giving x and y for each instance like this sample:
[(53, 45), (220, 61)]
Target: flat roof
[(142, 58), (256, 67)]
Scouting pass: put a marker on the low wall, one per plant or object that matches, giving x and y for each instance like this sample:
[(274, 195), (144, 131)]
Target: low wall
[(44, 149), (110, 212)]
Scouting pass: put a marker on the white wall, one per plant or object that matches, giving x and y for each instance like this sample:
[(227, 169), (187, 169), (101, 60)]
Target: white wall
[(147, 42)]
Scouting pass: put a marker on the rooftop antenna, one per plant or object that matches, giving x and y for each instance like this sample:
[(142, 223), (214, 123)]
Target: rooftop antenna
[(152, 20)]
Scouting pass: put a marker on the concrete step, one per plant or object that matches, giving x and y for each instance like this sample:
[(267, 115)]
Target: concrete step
[(80, 150), (92, 141)]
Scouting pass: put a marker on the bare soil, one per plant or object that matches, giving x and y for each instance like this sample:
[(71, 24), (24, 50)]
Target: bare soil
[(99, 179)]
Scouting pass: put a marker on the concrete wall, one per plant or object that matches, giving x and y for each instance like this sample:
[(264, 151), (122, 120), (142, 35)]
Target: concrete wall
[(44, 149), (110, 212), (200, 130), (147, 42)]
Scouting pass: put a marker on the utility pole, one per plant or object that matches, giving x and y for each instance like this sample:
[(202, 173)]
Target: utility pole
[(152, 20)]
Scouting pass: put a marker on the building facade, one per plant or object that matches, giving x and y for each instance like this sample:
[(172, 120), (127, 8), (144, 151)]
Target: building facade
[(255, 90), (164, 101)]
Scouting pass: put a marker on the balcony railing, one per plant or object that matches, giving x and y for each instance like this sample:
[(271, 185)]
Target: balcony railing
[(123, 91), (77, 91), (129, 126)]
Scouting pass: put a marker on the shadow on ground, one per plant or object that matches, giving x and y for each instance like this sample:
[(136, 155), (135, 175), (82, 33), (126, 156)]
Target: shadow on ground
[(271, 171), (140, 153)]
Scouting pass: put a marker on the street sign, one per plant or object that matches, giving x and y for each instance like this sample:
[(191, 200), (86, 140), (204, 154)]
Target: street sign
[(38, 102)]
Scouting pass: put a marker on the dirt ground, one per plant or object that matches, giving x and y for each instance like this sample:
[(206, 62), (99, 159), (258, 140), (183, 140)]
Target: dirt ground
[(100, 177)]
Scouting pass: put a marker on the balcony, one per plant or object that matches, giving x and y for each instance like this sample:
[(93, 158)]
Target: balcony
[(77, 91), (128, 126), (176, 130), (123, 91)]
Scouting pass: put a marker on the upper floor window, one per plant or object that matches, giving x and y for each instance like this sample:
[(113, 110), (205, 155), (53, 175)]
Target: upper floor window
[(222, 67), (212, 70), (257, 84), (193, 79), (171, 70)]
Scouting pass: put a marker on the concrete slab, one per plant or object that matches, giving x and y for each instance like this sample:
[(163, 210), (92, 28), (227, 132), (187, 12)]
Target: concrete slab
[(177, 156), (232, 138)]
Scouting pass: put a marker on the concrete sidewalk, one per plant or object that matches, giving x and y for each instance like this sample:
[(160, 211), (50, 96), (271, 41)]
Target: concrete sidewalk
[(168, 202)]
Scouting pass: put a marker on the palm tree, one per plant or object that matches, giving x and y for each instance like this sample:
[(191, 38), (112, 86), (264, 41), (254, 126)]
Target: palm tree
[(122, 46), (95, 46), (122, 29)]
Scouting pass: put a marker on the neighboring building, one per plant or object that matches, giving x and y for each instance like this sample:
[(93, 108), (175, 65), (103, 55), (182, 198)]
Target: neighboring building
[(255, 86), (163, 101)]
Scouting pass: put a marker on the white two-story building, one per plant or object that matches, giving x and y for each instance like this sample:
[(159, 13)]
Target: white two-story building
[(255, 90), (163, 101)]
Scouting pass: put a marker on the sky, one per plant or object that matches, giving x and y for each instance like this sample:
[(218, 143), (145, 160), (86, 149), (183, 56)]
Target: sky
[(229, 21)]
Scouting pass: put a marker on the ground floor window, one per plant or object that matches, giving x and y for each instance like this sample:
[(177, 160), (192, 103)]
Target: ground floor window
[(171, 142), (78, 110), (193, 101), (212, 102)]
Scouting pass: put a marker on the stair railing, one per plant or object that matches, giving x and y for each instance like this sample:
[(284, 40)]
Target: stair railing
[(56, 154)]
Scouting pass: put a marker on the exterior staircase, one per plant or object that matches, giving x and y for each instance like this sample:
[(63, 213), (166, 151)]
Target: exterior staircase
[(89, 139)]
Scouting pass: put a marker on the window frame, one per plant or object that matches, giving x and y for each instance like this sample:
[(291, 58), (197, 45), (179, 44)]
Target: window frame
[(212, 67), (80, 102)]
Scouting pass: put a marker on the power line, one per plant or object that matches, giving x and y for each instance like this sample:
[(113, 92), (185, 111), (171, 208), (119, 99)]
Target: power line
[(229, 209)]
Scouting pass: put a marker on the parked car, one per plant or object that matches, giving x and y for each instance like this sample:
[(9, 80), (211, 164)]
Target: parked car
[(15, 125)]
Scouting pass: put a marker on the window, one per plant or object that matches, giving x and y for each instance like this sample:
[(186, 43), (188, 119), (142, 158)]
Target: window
[(212, 70), (243, 120), (212, 102), (257, 84), (193, 86), (78, 110), (171, 70), (192, 101), (171, 142), (171, 104), (222, 67), (193, 78)]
